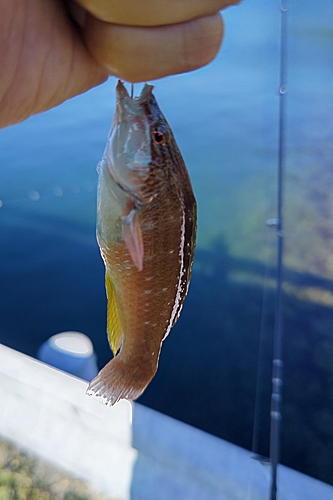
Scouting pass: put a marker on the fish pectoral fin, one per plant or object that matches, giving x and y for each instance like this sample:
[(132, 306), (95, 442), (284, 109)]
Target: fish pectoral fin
[(113, 324), (133, 237)]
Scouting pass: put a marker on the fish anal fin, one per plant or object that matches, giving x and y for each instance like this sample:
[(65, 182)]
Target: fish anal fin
[(133, 237), (113, 324)]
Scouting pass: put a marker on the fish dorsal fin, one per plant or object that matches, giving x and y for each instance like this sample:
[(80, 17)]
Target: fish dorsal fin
[(133, 237), (113, 324)]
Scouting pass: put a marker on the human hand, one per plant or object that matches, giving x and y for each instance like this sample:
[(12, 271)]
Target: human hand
[(139, 40), (46, 58)]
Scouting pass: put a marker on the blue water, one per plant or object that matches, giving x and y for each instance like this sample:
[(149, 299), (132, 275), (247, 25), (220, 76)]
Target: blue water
[(225, 119)]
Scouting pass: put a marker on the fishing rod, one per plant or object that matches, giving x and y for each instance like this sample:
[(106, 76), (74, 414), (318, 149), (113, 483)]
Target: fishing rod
[(277, 369)]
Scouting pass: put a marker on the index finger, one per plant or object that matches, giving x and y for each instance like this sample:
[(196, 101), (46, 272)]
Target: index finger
[(138, 54), (152, 12)]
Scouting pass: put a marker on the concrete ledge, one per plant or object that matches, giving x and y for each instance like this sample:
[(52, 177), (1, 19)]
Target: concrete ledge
[(129, 451), (46, 411)]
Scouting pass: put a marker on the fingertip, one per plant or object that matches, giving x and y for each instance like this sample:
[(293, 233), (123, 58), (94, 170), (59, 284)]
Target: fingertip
[(202, 41), (139, 54)]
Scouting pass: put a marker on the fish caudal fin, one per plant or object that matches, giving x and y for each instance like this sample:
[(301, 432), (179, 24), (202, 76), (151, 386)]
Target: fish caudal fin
[(120, 380)]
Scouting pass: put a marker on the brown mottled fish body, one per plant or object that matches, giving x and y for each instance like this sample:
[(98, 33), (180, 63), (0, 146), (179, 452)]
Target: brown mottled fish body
[(146, 229)]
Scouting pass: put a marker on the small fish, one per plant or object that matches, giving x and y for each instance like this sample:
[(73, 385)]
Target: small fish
[(146, 229)]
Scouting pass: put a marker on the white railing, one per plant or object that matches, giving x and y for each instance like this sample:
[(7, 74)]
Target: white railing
[(129, 451)]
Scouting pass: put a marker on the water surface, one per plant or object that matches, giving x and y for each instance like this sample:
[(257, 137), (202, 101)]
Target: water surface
[(225, 119)]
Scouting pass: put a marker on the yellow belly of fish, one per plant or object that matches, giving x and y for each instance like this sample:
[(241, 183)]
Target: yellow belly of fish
[(142, 305), (146, 300)]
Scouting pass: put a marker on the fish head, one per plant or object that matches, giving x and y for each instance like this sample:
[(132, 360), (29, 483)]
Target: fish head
[(138, 133)]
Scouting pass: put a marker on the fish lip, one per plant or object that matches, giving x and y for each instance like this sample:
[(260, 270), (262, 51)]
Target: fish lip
[(125, 101), (145, 95)]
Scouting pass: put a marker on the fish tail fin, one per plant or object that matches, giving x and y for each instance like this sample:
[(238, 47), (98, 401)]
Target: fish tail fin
[(121, 380)]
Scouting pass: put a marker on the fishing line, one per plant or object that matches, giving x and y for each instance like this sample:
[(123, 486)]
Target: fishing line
[(277, 364), (277, 369), (257, 416), (261, 354)]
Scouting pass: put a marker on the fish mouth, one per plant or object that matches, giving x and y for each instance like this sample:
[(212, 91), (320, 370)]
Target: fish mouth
[(144, 105), (132, 104)]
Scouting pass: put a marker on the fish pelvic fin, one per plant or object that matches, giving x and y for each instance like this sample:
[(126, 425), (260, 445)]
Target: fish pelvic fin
[(113, 324), (133, 237), (121, 380)]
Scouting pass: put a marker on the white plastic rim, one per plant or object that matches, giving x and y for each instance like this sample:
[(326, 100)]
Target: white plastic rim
[(74, 343), (72, 352)]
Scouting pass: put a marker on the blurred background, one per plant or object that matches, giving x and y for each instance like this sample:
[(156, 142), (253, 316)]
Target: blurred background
[(225, 119)]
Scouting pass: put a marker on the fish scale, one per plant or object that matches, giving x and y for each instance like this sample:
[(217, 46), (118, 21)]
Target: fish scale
[(132, 285), (146, 229)]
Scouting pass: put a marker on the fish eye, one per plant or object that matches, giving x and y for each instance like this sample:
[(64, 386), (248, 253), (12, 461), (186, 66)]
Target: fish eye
[(159, 137)]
